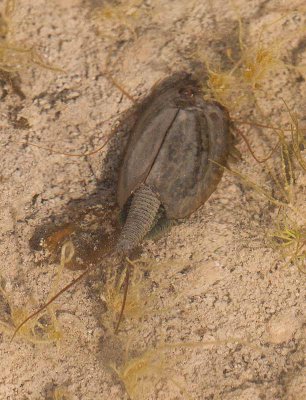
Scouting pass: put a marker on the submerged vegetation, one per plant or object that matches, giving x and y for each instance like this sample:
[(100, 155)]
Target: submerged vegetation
[(243, 88), (137, 298), (112, 16), (15, 57), (42, 325), (40, 330), (290, 239), (142, 373), (247, 80)]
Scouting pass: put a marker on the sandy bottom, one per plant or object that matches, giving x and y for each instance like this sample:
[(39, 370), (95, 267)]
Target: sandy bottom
[(215, 307)]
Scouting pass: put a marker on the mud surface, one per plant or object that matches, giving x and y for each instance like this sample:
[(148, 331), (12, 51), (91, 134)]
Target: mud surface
[(221, 313)]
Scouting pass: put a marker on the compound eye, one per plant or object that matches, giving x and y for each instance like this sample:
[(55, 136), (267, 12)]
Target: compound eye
[(186, 92)]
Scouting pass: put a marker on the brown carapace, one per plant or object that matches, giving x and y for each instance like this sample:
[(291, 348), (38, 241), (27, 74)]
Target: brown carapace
[(173, 159)]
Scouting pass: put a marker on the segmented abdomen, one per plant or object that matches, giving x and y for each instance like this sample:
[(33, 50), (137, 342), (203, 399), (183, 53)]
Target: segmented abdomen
[(141, 216)]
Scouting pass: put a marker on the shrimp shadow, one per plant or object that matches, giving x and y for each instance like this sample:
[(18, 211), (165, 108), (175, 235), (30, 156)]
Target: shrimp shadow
[(90, 222)]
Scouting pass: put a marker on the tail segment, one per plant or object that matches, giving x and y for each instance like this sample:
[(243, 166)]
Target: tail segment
[(140, 219)]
